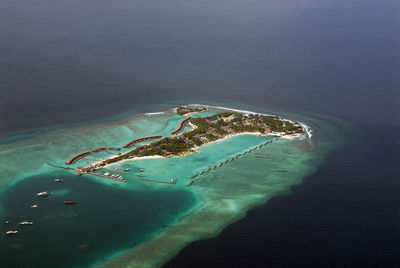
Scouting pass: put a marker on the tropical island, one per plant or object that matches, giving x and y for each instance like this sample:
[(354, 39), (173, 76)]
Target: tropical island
[(183, 110), (206, 130)]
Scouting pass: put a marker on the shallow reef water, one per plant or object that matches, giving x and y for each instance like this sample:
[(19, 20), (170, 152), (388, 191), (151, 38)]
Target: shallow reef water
[(142, 222)]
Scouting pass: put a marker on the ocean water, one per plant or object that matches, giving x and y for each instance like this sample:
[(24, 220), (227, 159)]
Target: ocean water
[(76, 76), (105, 219)]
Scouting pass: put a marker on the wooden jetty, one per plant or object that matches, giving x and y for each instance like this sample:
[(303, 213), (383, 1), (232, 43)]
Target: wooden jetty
[(181, 125), (133, 142), (76, 157), (117, 170), (104, 176), (91, 159), (56, 166), (102, 148), (172, 181)]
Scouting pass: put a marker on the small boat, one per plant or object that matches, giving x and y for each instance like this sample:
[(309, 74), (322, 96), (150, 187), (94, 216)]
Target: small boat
[(25, 223), (173, 181), (141, 170), (58, 180), (69, 202), (6, 222), (127, 169), (45, 193), (11, 232), (34, 206)]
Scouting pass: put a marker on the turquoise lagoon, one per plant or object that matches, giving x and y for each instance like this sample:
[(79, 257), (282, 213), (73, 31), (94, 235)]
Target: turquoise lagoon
[(140, 223)]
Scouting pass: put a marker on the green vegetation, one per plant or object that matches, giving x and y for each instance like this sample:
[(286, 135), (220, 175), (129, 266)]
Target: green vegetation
[(210, 129), (185, 110)]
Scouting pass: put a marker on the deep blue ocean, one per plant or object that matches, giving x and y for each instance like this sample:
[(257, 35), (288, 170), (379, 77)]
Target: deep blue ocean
[(67, 62)]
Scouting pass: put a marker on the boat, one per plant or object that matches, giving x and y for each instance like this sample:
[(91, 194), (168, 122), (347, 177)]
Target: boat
[(6, 222), (58, 180), (69, 202), (26, 223), (45, 193), (127, 169), (11, 232), (141, 170), (173, 181), (34, 206)]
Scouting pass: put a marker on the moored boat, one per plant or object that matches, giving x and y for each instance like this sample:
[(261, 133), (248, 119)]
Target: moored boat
[(45, 193), (26, 223), (11, 232), (69, 202)]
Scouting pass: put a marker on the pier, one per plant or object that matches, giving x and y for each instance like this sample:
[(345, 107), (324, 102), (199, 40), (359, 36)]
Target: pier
[(181, 125), (172, 181), (230, 160), (102, 148), (117, 170), (105, 176), (75, 158), (56, 166), (133, 142)]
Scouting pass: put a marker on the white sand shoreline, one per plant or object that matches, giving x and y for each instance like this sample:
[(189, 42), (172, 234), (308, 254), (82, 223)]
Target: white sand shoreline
[(277, 134)]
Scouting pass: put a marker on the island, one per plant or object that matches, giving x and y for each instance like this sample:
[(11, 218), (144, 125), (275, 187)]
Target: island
[(183, 110), (205, 130)]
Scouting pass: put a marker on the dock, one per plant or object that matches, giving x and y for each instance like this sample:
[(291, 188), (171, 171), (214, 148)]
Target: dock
[(133, 142), (117, 170), (104, 176), (172, 181), (76, 157), (56, 166), (102, 148), (233, 158), (181, 125)]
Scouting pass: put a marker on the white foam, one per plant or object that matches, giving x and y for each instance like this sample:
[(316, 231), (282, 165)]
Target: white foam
[(227, 108), (156, 113), (308, 129)]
